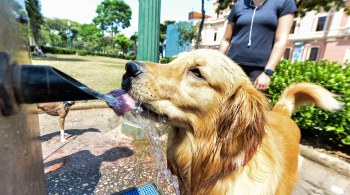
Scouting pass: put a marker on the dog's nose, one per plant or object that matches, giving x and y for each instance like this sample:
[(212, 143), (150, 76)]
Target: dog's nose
[(133, 68)]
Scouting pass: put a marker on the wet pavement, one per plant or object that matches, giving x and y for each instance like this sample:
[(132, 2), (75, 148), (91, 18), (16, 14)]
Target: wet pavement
[(98, 158)]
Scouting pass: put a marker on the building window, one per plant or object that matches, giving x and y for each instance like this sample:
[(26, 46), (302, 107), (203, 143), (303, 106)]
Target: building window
[(321, 23), (313, 54), (292, 30), (286, 54), (215, 35)]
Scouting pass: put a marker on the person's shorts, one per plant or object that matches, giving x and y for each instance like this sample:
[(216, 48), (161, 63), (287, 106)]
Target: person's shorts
[(252, 71)]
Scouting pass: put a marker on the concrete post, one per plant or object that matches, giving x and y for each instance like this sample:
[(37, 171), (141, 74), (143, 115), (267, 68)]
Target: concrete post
[(21, 161), (148, 30)]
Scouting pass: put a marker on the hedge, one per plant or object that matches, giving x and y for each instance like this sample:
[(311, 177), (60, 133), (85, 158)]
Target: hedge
[(82, 52), (61, 50), (166, 60), (105, 55), (333, 126), (57, 50), (130, 57)]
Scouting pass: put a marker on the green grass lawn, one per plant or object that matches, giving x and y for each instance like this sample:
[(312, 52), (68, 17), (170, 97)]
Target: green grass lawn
[(102, 74)]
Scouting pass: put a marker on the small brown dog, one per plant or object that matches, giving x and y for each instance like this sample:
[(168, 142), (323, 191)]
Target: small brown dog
[(59, 109)]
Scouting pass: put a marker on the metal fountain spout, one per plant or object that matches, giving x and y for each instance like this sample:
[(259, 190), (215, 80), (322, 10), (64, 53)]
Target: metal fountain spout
[(27, 84)]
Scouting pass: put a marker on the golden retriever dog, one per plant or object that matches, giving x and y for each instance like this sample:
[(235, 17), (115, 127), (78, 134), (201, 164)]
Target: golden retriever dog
[(59, 109), (224, 137)]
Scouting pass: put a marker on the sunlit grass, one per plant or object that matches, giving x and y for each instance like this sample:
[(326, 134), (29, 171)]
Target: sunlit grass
[(102, 74)]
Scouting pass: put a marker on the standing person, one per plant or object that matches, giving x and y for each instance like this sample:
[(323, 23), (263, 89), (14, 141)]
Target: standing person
[(256, 36)]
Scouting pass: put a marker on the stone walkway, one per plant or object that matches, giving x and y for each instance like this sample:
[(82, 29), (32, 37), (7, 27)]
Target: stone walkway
[(98, 158)]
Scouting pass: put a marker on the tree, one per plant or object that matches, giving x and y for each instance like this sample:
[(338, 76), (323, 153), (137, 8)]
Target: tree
[(224, 4), (303, 5), (48, 37), (134, 38), (198, 38), (60, 27), (187, 32), (105, 42), (320, 5), (201, 25), (113, 15), (90, 36), (57, 28), (36, 19), (123, 43)]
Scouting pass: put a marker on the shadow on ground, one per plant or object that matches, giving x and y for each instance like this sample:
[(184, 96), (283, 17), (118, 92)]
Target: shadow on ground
[(70, 132), (79, 173)]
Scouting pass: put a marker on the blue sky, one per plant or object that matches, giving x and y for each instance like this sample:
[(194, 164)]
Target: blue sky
[(83, 11)]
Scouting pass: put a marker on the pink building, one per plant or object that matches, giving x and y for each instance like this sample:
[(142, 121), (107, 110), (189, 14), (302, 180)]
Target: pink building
[(314, 37), (320, 36)]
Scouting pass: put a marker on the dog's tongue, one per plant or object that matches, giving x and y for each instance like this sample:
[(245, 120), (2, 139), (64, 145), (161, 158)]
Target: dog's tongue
[(122, 103)]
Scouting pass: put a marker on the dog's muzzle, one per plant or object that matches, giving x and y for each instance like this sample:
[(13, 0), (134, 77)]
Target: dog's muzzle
[(133, 69)]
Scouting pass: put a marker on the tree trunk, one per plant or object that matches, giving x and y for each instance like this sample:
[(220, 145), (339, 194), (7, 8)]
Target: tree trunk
[(198, 39), (112, 34)]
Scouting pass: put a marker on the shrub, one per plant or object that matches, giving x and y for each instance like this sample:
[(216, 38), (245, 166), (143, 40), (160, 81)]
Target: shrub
[(105, 55), (120, 56), (131, 57), (172, 58), (164, 60), (82, 52), (334, 126), (57, 50)]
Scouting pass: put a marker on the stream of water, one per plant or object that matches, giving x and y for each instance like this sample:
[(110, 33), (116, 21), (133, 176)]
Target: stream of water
[(152, 131)]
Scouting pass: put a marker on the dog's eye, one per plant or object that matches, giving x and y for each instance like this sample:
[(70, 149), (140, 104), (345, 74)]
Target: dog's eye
[(196, 72)]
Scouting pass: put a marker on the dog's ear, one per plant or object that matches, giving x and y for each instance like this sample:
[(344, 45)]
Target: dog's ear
[(241, 126)]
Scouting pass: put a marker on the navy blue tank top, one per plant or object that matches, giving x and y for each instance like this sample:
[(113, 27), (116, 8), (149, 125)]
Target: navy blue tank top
[(255, 29)]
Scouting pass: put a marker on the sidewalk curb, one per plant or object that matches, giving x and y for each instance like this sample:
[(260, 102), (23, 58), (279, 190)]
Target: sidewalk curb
[(90, 105), (328, 161)]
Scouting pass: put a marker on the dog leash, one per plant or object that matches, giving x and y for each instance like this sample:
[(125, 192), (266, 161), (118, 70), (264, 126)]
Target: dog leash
[(59, 148), (66, 106), (53, 110)]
